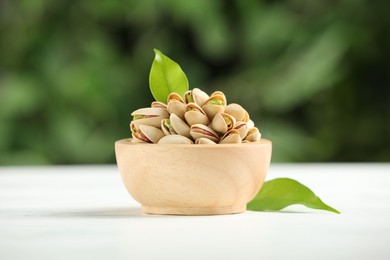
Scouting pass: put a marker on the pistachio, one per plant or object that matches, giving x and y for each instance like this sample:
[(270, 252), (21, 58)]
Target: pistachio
[(166, 127), (215, 104), (232, 136), (147, 133), (157, 104), (174, 96), (195, 115), (176, 105), (202, 131), (242, 128), (223, 122), (253, 135), (179, 126), (196, 96), (237, 111), (203, 140), (175, 139), (149, 116)]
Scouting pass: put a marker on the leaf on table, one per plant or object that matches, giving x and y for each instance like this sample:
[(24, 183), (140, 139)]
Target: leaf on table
[(166, 76), (282, 192)]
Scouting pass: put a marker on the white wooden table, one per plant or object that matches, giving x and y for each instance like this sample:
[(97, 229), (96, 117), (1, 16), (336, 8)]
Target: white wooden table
[(84, 212)]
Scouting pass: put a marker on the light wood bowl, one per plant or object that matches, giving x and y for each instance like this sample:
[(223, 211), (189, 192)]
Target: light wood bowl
[(181, 179)]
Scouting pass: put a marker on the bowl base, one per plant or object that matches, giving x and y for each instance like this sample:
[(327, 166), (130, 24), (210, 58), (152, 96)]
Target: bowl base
[(194, 211)]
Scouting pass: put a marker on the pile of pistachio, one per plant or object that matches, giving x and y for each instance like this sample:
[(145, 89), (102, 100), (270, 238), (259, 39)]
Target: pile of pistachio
[(198, 118)]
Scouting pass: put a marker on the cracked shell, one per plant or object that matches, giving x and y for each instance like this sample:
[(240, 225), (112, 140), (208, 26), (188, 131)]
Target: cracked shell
[(195, 96), (149, 116), (166, 127), (254, 135), (233, 136), (176, 105), (148, 134), (214, 105), (179, 126), (223, 122), (202, 131), (195, 115), (239, 113), (242, 128)]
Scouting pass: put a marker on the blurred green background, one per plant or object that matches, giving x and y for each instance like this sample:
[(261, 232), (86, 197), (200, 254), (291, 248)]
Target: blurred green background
[(314, 75)]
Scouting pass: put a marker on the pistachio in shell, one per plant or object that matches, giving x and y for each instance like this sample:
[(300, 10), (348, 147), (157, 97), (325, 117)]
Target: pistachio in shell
[(179, 126), (196, 96), (149, 116), (223, 122), (195, 115), (219, 93), (147, 133), (166, 127), (237, 111), (253, 135), (158, 104), (176, 105), (215, 104), (203, 140), (174, 139), (242, 128), (230, 137), (202, 131)]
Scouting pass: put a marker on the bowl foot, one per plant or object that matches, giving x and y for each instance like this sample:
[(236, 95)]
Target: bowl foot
[(194, 211)]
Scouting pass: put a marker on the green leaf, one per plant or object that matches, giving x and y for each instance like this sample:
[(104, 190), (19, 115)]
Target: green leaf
[(282, 192), (166, 77)]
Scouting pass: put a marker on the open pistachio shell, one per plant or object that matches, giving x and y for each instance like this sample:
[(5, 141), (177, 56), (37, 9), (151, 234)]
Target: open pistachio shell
[(149, 134), (220, 93), (149, 116), (253, 135), (150, 111), (230, 137), (195, 115), (138, 134), (223, 122), (203, 140), (158, 104), (195, 96), (179, 126), (202, 131), (215, 104), (175, 139), (166, 127), (242, 128), (237, 111), (177, 107), (174, 96)]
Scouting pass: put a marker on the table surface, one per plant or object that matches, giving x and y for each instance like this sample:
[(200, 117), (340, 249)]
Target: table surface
[(84, 212)]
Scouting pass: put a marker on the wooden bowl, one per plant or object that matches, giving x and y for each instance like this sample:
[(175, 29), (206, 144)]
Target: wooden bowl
[(202, 179)]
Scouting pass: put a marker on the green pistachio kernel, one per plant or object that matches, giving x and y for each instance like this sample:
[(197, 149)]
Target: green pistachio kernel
[(215, 102), (136, 117)]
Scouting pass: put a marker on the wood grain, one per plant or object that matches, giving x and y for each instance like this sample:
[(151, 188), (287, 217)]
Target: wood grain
[(193, 179)]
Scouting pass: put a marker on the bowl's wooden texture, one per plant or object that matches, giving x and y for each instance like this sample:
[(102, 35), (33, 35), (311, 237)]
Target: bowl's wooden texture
[(183, 179)]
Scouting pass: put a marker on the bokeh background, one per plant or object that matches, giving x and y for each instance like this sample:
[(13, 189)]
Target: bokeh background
[(314, 75)]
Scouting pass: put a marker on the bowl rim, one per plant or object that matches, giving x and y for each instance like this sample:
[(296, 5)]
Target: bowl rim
[(262, 142)]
